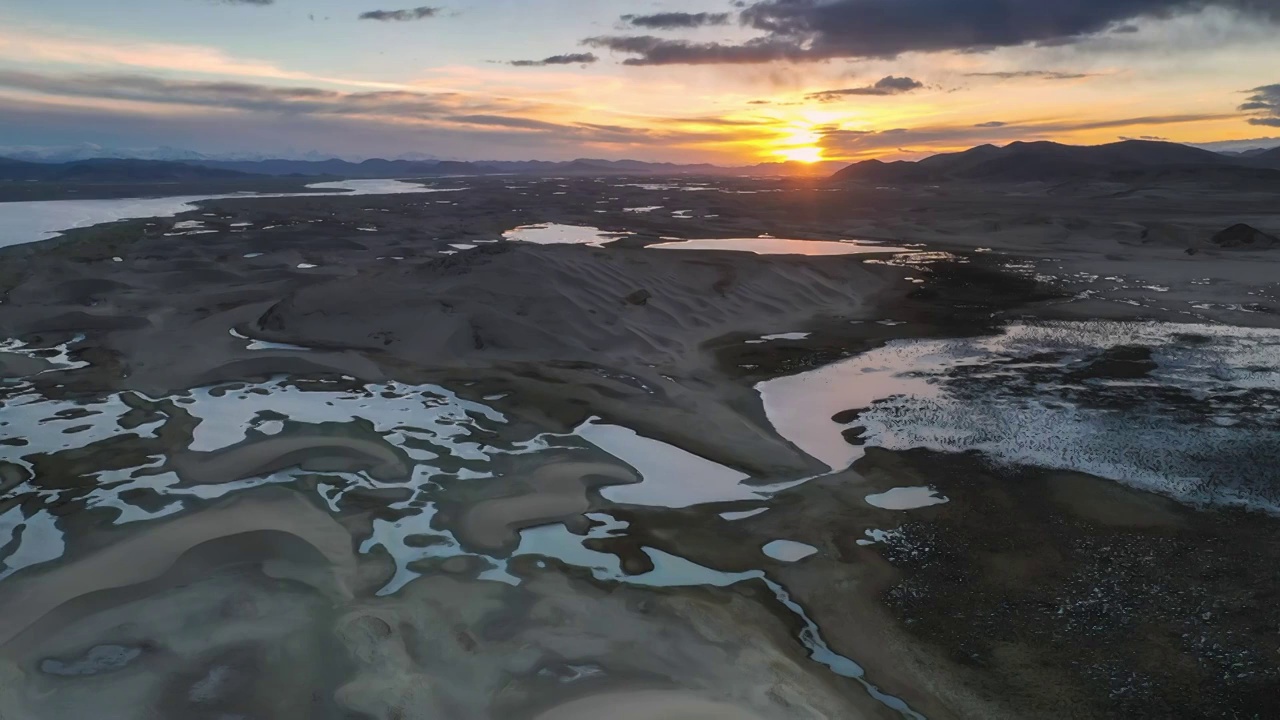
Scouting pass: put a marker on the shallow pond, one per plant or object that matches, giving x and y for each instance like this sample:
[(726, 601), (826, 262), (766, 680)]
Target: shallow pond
[(23, 222), (556, 234), (1165, 407)]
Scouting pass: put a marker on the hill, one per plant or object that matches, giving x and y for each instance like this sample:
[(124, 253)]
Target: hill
[(111, 170), (1244, 236), (1031, 161), (33, 166), (1264, 159), (379, 168)]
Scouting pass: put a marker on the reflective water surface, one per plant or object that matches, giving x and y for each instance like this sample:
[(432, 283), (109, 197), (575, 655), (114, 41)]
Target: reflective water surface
[(557, 234), (1161, 406), (220, 552), (24, 222), (779, 246)]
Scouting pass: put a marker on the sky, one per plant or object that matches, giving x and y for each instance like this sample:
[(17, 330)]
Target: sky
[(725, 81)]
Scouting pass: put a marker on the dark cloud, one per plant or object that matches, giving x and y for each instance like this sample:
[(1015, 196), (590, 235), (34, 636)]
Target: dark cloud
[(884, 86), (245, 2), (992, 124), (1033, 74), (418, 13), (231, 95), (35, 123), (568, 59), (676, 20), (1263, 106), (810, 30), (1130, 122), (658, 51), (505, 121)]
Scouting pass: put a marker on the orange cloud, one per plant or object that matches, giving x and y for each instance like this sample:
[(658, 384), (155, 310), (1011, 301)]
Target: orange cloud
[(27, 46)]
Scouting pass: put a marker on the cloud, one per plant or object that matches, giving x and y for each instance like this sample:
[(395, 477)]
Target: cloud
[(44, 124), (1129, 122), (245, 2), (725, 122), (884, 86), (1031, 74), (812, 30), (29, 46), (164, 101), (567, 59), (38, 123), (676, 20), (504, 121), (226, 94), (992, 124), (1263, 106), (658, 51), (418, 13)]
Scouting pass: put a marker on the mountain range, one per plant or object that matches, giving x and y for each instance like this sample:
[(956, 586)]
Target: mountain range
[(111, 170), (1015, 162), (379, 168), (1049, 161), (92, 151), (135, 170)]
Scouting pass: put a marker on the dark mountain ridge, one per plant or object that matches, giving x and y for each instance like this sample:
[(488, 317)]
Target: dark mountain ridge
[(1266, 158), (1049, 161), (379, 168), (1015, 162), (132, 170), (111, 170)]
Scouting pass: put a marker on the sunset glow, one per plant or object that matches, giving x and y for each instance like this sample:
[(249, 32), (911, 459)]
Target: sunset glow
[(557, 80), (801, 154), (639, 359)]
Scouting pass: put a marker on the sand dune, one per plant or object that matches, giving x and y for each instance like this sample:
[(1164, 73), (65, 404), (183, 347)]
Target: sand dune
[(510, 302), (646, 706), (556, 492), (309, 452), (145, 557)]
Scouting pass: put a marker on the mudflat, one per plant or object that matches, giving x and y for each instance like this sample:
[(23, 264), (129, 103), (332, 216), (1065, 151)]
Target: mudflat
[(364, 456)]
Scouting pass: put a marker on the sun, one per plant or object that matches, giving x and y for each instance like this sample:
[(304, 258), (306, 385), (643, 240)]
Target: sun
[(800, 154), (799, 143)]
